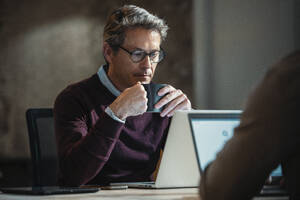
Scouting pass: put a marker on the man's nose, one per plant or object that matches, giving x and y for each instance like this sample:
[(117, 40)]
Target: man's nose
[(146, 62)]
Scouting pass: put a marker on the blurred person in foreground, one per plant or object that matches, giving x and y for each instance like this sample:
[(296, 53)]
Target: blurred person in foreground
[(268, 135)]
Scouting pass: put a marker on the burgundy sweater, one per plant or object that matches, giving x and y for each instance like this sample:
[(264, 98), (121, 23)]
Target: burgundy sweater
[(93, 148)]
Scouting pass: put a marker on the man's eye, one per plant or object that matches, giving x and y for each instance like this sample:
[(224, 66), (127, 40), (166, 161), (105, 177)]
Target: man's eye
[(154, 54), (138, 53)]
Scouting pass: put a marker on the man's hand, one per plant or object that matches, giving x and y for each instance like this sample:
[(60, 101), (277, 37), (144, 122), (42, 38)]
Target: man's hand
[(175, 100), (131, 102)]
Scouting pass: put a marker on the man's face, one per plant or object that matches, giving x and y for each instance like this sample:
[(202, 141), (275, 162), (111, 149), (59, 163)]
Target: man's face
[(123, 72)]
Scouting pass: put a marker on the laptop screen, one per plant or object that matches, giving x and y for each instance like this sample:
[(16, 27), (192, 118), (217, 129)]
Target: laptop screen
[(211, 132)]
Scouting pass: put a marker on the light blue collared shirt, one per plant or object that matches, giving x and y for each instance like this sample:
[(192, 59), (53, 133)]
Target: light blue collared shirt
[(108, 84)]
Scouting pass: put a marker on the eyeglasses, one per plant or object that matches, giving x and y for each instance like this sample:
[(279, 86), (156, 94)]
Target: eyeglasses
[(139, 55)]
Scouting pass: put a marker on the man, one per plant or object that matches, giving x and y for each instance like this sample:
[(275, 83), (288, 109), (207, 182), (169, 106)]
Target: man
[(103, 132), (267, 136)]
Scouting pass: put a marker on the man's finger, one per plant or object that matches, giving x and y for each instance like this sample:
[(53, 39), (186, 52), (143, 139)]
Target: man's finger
[(172, 105), (165, 90), (168, 98), (180, 106)]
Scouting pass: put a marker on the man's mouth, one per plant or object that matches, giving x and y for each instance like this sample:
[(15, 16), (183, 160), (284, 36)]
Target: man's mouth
[(143, 75), (143, 78)]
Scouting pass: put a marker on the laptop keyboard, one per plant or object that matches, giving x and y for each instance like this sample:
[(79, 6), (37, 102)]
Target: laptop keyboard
[(273, 190)]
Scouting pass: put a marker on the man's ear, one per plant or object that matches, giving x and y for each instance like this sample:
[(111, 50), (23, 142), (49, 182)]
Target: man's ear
[(107, 52)]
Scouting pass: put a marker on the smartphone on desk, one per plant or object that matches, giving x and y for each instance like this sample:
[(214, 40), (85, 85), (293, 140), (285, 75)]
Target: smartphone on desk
[(107, 187), (114, 187)]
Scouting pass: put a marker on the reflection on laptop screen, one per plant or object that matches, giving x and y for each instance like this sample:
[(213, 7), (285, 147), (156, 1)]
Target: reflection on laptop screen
[(211, 132)]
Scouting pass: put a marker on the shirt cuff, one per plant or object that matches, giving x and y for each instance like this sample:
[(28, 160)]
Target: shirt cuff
[(112, 115)]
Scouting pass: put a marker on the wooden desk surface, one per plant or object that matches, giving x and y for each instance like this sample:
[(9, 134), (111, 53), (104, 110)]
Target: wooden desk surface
[(128, 194)]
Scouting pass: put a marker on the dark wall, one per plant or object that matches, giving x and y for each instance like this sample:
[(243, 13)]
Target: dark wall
[(46, 45)]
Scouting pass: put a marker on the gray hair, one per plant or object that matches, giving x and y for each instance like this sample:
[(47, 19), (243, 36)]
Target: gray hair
[(130, 16)]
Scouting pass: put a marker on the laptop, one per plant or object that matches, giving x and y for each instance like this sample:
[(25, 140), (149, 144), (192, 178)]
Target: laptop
[(178, 166), (211, 130), (44, 157)]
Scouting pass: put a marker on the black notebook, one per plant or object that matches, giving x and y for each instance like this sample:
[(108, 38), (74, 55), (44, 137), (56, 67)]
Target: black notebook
[(47, 190)]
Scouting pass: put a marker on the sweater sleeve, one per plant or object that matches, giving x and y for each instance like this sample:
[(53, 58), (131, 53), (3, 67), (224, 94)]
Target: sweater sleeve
[(82, 151), (265, 138)]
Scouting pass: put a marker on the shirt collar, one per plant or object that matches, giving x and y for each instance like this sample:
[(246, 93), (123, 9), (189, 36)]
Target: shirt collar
[(106, 82)]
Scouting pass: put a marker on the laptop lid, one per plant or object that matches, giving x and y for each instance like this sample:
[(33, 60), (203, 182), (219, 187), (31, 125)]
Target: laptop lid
[(211, 130), (178, 166)]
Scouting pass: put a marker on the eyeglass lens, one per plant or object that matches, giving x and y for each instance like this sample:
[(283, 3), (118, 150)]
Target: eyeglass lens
[(155, 56), (139, 55)]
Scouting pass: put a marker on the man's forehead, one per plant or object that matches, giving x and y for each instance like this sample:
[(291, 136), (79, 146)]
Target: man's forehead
[(142, 36)]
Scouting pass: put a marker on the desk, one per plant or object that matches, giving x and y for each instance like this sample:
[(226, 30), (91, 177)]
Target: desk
[(129, 194)]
